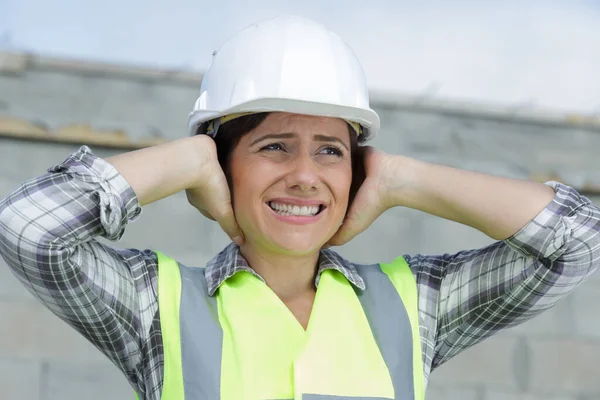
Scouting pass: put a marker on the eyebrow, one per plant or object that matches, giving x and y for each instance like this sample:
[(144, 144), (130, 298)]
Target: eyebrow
[(290, 135), (325, 138)]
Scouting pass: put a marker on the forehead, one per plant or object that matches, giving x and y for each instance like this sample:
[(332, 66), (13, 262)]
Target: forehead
[(278, 122)]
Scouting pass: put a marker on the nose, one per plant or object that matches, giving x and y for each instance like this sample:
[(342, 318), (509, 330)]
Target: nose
[(303, 174)]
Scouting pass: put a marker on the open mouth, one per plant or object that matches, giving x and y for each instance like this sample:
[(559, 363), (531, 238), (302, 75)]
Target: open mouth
[(296, 210)]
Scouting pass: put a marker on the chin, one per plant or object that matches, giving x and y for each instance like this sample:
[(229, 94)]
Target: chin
[(297, 246)]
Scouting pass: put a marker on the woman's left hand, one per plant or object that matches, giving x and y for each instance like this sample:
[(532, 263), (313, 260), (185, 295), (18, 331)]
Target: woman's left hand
[(494, 205), (381, 178)]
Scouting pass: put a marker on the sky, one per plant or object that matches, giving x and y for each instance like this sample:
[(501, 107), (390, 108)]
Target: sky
[(531, 54)]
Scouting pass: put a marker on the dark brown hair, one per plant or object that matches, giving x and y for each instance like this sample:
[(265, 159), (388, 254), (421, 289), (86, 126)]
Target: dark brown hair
[(231, 132)]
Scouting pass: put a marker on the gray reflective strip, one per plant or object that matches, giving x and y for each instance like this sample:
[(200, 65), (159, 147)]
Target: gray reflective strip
[(201, 337), (391, 328), (329, 397)]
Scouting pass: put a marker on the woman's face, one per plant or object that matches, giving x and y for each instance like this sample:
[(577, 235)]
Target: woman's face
[(291, 180)]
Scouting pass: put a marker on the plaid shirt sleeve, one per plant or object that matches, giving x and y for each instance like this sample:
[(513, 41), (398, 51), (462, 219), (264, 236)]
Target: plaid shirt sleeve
[(469, 296), (48, 232)]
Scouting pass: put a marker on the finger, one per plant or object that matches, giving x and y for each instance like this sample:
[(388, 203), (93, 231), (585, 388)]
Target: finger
[(224, 215), (345, 233), (206, 214), (360, 216), (218, 204), (232, 230), (342, 236), (350, 229), (192, 197), (230, 226), (227, 227), (220, 208)]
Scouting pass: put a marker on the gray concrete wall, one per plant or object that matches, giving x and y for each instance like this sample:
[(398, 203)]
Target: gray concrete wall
[(555, 356)]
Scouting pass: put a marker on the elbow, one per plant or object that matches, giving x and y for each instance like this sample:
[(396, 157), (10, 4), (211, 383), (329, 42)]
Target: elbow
[(26, 248), (594, 251), (588, 239), (7, 217), (582, 249), (15, 220), (20, 235), (9, 243)]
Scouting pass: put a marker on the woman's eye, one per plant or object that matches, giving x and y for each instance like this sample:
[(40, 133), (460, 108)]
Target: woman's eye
[(272, 147), (334, 151)]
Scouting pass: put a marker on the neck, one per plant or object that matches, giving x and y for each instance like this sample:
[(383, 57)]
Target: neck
[(289, 276)]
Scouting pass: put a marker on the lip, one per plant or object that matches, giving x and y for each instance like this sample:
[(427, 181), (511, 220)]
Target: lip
[(298, 219)]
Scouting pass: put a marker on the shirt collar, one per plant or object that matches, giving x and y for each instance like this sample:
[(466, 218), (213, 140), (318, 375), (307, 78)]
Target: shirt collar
[(230, 261)]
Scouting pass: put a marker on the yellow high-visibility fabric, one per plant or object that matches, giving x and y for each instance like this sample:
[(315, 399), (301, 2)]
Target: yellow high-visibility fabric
[(268, 355)]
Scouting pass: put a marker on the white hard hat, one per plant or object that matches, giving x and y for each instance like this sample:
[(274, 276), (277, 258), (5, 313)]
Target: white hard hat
[(289, 64)]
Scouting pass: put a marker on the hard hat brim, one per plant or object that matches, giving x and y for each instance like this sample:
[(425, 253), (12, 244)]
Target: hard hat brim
[(367, 118)]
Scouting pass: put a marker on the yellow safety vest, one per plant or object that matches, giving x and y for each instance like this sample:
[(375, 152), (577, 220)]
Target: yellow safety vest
[(244, 343)]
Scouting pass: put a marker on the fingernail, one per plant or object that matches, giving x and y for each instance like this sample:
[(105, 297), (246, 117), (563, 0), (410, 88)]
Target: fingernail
[(238, 240)]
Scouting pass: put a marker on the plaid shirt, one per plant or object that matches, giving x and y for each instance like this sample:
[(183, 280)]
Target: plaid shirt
[(49, 226)]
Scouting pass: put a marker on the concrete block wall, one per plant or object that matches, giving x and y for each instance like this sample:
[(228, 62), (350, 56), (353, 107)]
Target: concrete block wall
[(555, 356)]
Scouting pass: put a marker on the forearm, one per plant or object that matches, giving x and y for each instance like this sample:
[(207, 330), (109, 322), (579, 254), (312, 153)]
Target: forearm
[(516, 279), (160, 171), (496, 206)]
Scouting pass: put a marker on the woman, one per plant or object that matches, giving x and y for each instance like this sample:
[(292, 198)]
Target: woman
[(274, 158)]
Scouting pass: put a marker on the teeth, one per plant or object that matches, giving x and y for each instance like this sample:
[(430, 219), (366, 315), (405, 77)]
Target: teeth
[(288, 209)]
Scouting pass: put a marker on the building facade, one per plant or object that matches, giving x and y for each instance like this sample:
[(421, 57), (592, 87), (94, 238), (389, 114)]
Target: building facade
[(50, 106)]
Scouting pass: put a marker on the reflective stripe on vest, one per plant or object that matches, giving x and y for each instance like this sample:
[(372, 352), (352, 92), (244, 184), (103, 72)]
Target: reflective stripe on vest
[(244, 343)]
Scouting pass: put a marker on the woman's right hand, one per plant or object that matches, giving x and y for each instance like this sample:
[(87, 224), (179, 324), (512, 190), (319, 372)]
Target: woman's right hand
[(189, 164), (210, 194)]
